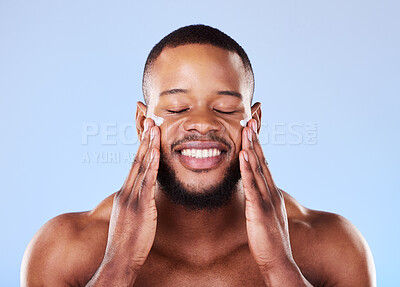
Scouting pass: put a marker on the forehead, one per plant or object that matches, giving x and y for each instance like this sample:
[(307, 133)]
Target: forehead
[(198, 67)]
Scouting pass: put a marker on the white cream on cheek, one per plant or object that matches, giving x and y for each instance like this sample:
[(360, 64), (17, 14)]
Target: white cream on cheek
[(150, 112), (157, 120), (243, 122)]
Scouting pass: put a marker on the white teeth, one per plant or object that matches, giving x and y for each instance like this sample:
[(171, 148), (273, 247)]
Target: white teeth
[(201, 153)]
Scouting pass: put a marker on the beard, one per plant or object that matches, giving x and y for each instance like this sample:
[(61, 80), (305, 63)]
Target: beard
[(195, 197)]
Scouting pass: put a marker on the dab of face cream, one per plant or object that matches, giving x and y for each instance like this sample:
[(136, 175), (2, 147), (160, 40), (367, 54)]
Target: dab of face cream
[(157, 120), (243, 123)]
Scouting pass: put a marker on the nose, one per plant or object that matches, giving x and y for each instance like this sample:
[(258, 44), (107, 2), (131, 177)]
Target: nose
[(202, 121)]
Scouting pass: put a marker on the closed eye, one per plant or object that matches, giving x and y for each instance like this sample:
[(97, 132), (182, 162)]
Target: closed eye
[(226, 113), (177, 112)]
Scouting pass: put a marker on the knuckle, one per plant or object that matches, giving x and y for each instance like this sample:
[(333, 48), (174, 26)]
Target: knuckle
[(135, 205), (267, 206), (136, 160), (253, 184), (141, 169), (247, 167), (264, 160), (144, 183), (259, 169)]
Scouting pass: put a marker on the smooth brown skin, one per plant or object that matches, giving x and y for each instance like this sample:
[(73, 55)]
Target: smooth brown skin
[(136, 236)]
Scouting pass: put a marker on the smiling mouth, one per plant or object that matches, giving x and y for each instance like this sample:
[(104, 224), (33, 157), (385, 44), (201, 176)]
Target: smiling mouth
[(201, 155)]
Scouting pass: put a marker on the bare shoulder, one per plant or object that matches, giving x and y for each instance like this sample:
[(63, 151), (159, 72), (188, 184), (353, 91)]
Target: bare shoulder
[(67, 248), (331, 244)]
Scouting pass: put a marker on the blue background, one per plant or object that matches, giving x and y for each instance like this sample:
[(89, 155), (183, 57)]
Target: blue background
[(335, 64)]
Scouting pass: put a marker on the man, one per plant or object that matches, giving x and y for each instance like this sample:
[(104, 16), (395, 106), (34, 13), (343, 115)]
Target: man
[(199, 206)]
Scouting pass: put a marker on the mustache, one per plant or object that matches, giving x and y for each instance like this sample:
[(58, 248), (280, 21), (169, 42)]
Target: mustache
[(194, 137)]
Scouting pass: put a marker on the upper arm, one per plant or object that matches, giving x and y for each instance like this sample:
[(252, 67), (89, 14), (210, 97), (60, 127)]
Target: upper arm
[(347, 254), (44, 260)]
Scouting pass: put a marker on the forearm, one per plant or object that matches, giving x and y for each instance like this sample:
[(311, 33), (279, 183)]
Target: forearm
[(113, 274), (287, 275)]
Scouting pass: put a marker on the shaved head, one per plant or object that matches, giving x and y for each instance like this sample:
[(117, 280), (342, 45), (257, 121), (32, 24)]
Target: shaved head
[(196, 34)]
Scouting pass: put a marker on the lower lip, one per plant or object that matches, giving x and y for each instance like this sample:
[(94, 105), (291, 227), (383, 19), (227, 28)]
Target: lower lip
[(200, 163)]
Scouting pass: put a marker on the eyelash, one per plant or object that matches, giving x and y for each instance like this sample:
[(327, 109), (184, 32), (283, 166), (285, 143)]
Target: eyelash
[(177, 112), (184, 110), (226, 113)]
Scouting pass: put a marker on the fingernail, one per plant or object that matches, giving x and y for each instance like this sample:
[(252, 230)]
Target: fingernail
[(146, 126), (249, 136), (152, 134), (254, 126), (246, 157)]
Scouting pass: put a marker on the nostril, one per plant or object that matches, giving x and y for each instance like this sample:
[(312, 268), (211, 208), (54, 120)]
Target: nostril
[(203, 125)]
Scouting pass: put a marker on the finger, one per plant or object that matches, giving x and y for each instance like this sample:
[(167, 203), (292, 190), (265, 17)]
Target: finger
[(154, 144), (137, 161), (148, 184), (257, 145), (247, 145), (262, 160), (248, 180)]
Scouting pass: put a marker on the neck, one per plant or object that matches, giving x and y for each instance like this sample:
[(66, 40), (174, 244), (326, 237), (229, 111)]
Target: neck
[(203, 229)]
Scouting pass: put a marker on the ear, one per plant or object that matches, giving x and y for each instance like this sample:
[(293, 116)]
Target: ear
[(141, 110), (256, 114)]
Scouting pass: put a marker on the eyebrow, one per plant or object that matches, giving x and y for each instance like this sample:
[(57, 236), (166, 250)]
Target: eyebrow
[(173, 91), (184, 91), (231, 93)]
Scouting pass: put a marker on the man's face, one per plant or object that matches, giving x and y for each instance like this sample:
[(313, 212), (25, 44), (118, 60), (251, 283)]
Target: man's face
[(202, 93)]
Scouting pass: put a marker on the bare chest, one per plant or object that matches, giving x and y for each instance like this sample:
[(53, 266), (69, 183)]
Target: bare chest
[(238, 269)]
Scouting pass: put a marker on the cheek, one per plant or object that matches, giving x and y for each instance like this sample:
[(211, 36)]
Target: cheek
[(237, 139), (234, 131), (169, 132)]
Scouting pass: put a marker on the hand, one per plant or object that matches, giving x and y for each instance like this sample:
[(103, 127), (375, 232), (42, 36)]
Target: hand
[(134, 215), (266, 218)]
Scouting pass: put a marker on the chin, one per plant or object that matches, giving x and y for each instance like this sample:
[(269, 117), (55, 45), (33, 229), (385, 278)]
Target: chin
[(200, 186), (205, 177)]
